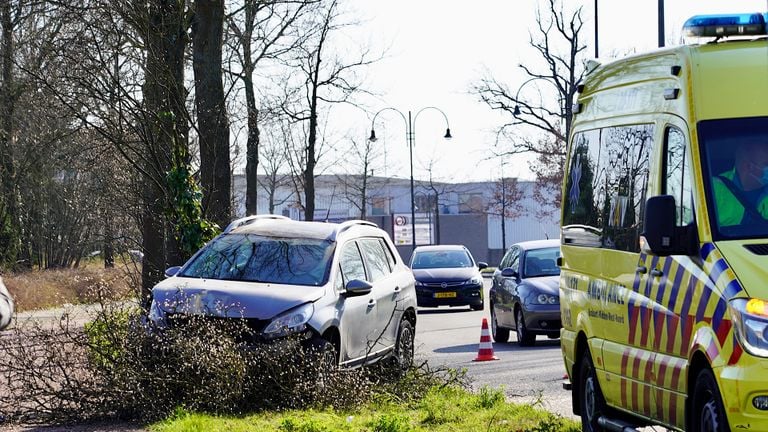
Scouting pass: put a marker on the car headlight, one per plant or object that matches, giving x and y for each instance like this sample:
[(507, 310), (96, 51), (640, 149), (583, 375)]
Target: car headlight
[(545, 299), (476, 280), (156, 315), (750, 319), (420, 284), (293, 321)]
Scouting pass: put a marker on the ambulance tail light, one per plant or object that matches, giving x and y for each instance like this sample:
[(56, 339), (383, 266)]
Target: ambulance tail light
[(750, 322), (725, 25)]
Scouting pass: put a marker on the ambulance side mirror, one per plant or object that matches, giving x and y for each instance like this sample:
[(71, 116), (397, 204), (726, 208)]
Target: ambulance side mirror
[(661, 235)]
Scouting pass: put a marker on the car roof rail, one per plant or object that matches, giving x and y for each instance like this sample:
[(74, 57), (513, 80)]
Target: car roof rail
[(251, 219), (349, 224)]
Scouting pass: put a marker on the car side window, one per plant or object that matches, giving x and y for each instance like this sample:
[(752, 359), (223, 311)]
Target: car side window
[(678, 175), (339, 283), (515, 260), (506, 260), (377, 264), (351, 262), (388, 254)]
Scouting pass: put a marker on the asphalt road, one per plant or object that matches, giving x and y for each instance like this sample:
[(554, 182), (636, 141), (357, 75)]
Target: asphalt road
[(451, 337)]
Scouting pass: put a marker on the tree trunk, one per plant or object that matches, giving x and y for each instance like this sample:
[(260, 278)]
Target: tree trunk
[(252, 144), (9, 220), (164, 96), (213, 127)]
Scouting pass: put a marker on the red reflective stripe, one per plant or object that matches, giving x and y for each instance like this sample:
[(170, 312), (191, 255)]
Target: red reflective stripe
[(657, 336), (672, 322), (676, 368), (723, 330), (685, 340), (673, 408), (636, 376), (648, 380), (736, 354), (624, 361), (645, 329), (633, 324)]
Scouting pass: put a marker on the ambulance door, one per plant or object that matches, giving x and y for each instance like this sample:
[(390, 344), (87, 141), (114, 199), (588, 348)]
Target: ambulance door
[(627, 359), (668, 294)]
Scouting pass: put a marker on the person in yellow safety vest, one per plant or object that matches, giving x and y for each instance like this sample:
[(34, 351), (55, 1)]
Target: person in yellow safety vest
[(741, 195)]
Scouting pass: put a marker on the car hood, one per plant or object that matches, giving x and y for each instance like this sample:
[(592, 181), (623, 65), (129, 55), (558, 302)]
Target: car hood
[(546, 284), (231, 298), (445, 274)]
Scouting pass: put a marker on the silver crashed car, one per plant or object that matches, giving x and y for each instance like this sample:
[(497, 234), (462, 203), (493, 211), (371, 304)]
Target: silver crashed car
[(340, 287)]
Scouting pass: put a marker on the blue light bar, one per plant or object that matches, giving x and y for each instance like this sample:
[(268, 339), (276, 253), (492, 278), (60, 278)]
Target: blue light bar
[(726, 25)]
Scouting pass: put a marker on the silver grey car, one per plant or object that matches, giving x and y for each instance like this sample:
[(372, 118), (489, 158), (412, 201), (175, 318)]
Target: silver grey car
[(341, 287)]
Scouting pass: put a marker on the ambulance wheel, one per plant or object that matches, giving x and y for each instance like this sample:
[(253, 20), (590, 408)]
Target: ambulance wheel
[(708, 412), (591, 401), (524, 337), (500, 334)]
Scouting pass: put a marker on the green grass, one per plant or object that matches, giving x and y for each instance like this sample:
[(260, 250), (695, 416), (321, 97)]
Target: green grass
[(446, 409)]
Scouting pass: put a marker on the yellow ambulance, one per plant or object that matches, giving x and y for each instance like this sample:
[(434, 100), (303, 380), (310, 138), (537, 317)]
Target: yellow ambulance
[(664, 282)]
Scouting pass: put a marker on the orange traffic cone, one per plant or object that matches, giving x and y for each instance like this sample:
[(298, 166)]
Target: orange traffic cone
[(485, 352)]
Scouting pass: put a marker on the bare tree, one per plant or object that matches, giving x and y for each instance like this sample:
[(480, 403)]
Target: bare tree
[(324, 77), (562, 71), (357, 183), (275, 163), (259, 31), (506, 203)]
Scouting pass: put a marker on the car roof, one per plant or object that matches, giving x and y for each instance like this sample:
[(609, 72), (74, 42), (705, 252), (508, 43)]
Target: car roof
[(538, 244), (440, 248), (305, 229)]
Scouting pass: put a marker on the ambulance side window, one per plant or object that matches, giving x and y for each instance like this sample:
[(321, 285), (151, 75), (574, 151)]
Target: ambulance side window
[(677, 174)]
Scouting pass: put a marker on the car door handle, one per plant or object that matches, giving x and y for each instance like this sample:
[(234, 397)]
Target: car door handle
[(641, 269), (657, 273), (397, 289), (371, 303)]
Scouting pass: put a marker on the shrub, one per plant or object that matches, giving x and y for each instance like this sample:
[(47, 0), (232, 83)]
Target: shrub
[(115, 367)]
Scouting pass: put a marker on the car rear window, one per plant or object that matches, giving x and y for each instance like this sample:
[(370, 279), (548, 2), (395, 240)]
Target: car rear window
[(441, 259)]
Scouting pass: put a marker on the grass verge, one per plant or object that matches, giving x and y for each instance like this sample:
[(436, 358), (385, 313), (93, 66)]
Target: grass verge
[(442, 409)]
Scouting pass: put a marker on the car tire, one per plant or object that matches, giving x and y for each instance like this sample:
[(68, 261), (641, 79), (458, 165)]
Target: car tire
[(591, 400), (708, 413), (477, 307), (524, 337), (324, 363), (500, 334), (405, 346)]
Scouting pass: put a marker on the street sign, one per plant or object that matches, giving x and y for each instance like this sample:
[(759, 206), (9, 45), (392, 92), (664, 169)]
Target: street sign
[(402, 229)]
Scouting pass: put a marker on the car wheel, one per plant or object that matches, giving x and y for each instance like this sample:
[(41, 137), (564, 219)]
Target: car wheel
[(324, 363), (591, 401), (500, 334), (708, 412), (405, 345), (524, 337), (477, 307)]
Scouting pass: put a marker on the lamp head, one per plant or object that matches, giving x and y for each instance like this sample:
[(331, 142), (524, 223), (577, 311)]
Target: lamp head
[(372, 138), (448, 134)]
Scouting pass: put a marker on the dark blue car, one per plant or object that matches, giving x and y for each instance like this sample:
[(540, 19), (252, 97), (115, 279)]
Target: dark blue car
[(447, 275), (525, 294)]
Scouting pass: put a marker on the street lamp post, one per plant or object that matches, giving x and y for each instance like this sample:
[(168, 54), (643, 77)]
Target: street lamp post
[(410, 136)]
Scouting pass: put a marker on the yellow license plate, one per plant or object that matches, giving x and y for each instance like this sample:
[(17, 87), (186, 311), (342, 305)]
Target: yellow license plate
[(449, 294)]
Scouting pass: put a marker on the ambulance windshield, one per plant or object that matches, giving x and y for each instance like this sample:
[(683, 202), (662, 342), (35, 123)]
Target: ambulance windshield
[(735, 155)]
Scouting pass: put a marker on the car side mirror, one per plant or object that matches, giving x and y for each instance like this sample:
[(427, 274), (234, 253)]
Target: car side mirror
[(357, 287), (661, 235), (482, 265), (172, 271), (509, 272)]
